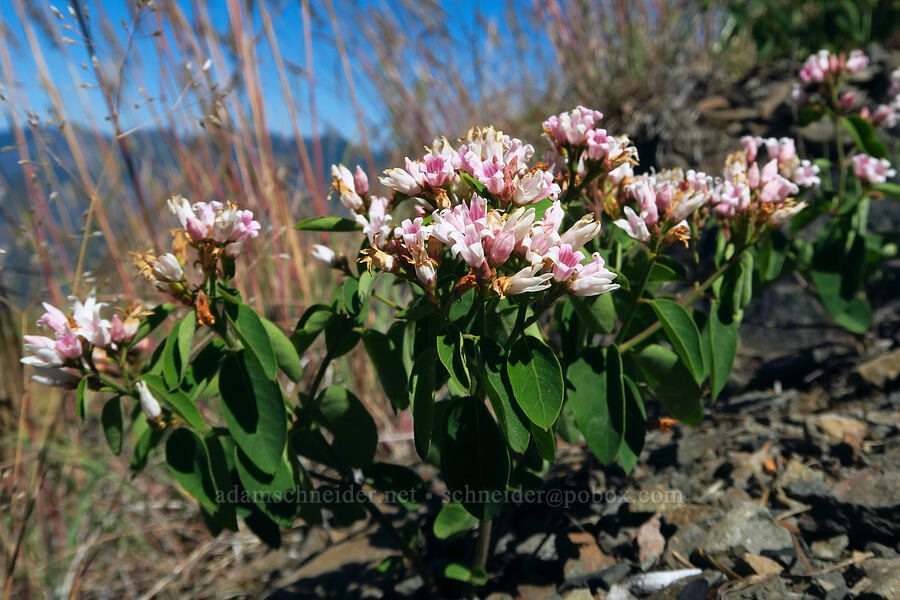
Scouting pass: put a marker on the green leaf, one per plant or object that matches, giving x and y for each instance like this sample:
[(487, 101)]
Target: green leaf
[(450, 353), (177, 400), (253, 336), (458, 572), (597, 313), (354, 431), (888, 188), (597, 400), (721, 340), (838, 269), (421, 398), (536, 380), (402, 483), (682, 333), (270, 493), (254, 411), (185, 341), (189, 464), (113, 426), (387, 359), (146, 440), (311, 324), (474, 459), (863, 133), (285, 353), (350, 298), (808, 115), (340, 335), (263, 527), (150, 322), (545, 442), (81, 397), (673, 383), (475, 185), (328, 224), (453, 520), (171, 358), (512, 422), (635, 426)]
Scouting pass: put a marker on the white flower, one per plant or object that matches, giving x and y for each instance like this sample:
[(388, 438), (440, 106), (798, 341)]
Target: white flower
[(527, 280), (324, 254), (872, 170), (633, 225), (345, 186), (593, 279), (785, 213), (586, 229), (167, 269), (90, 325), (44, 352), (407, 181), (149, 404)]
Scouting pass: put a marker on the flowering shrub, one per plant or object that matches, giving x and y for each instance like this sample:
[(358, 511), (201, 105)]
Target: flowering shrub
[(844, 255), (543, 298)]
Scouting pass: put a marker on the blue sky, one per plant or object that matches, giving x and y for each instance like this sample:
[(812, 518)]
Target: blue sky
[(85, 103)]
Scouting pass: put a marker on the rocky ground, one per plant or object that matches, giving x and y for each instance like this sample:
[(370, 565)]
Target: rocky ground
[(789, 489)]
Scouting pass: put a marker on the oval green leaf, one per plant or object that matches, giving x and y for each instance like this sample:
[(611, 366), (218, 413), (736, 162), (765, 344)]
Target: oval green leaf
[(254, 411), (536, 380)]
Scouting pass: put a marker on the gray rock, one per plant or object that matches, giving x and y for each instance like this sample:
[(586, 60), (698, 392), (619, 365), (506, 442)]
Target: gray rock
[(830, 586), (831, 548), (764, 589), (882, 580), (684, 542), (865, 504), (543, 546), (749, 527), (579, 594), (614, 574)]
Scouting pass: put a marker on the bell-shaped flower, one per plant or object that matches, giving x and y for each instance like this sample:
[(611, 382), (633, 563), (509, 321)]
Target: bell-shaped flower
[(534, 187), (44, 352), (566, 261), (149, 404), (529, 279), (91, 326), (633, 225), (53, 319), (324, 254), (593, 278), (586, 229), (872, 170)]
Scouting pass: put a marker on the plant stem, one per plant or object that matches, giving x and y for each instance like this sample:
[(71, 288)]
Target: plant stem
[(484, 544), (387, 301), (408, 553), (842, 168), (637, 297), (319, 375), (684, 300)]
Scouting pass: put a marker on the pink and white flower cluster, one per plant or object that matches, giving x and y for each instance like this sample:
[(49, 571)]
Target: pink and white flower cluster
[(665, 200), (494, 159), (872, 170), (784, 150), (216, 222), (492, 242), (886, 115), (494, 229), (577, 133), (763, 193), (824, 67), (57, 359)]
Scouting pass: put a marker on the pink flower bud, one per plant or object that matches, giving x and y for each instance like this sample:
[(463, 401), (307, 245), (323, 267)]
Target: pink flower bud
[(361, 181)]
